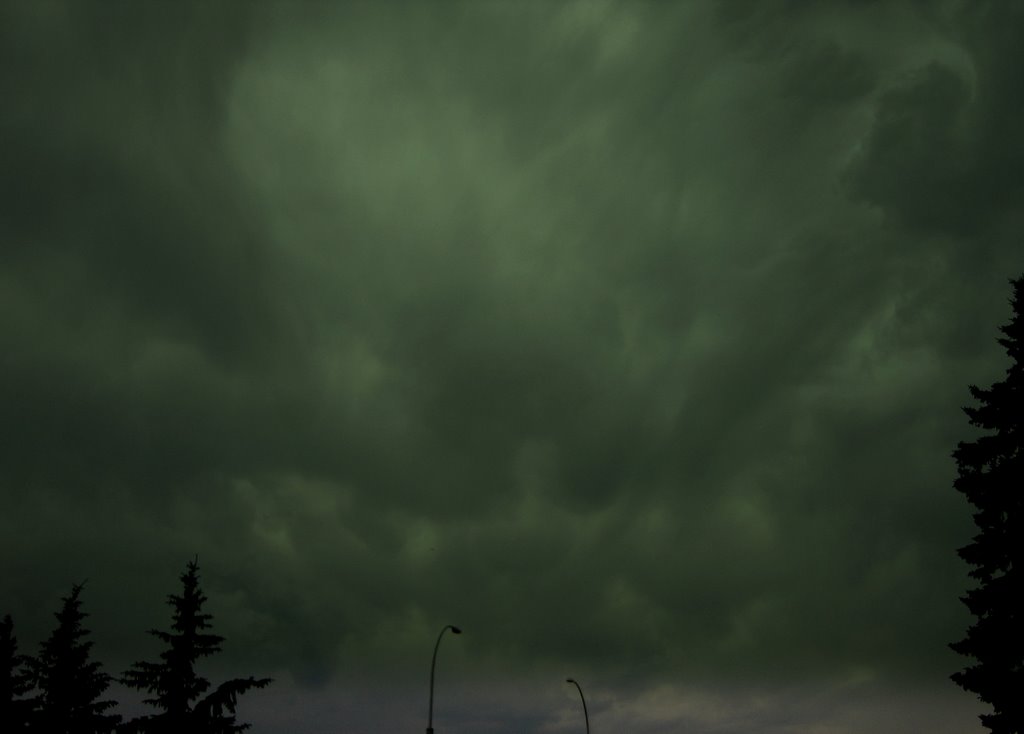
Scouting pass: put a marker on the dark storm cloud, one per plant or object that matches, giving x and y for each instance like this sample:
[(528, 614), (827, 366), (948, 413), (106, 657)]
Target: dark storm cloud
[(630, 335), (940, 157), (131, 268), (136, 320)]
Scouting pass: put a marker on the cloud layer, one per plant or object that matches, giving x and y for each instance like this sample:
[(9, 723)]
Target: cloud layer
[(629, 336)]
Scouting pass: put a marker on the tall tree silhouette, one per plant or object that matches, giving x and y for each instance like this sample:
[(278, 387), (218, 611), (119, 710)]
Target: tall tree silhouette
[(70, 683), (990, 475), (16, 707), (175, 685)]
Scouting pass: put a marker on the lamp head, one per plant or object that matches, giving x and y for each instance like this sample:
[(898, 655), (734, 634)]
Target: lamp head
[(455, 629)]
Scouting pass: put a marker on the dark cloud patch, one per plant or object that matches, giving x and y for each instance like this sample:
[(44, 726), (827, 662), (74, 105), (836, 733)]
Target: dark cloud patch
[(824, 72), (917, 157), (937, 158), (136, 289), (113, 164)]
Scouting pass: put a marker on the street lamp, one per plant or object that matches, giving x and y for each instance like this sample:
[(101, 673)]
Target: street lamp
[(585, 717), (433, 663)]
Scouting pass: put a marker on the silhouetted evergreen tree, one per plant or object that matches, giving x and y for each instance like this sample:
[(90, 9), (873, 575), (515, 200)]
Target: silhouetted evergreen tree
[(16, 707), (990, 476), (174, 682), (69, 683)]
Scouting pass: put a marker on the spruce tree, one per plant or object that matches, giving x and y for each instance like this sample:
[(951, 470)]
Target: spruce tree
[(174, 683), (70, 683), (16, 707), (991, 476)]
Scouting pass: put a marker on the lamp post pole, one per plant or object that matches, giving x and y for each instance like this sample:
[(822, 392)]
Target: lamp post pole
[(433, 664), (586, 718)]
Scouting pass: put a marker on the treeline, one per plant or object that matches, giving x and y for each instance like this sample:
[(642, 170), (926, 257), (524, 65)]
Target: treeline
[(62, 689)]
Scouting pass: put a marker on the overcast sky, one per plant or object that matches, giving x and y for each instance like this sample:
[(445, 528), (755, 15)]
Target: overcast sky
[(629, 336)]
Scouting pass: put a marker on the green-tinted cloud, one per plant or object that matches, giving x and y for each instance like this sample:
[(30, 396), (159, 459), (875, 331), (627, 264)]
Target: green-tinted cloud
[(629, 336)]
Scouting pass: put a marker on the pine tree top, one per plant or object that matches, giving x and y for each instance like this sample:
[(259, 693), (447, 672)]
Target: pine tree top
[(177, 688), (70, 682), (188, 619)]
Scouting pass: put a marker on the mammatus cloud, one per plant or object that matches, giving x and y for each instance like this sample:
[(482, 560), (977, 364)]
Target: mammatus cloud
[(629, 336)]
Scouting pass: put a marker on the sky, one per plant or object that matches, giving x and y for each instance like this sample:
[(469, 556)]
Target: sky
[(630, 337)]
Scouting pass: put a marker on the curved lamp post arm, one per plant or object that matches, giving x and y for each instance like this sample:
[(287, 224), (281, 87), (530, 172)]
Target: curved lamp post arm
[(586, 717), (433, 664)]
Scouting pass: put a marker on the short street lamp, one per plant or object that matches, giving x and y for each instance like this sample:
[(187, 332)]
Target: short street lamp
[(585, 717), (433, 664)]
